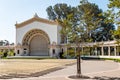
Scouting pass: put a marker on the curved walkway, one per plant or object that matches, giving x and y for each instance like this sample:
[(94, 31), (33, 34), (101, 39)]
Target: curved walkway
[(95, 69)]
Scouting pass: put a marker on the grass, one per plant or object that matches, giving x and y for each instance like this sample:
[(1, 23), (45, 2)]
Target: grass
[(29, 66), (113, 59), (29, 57), (100, 58)]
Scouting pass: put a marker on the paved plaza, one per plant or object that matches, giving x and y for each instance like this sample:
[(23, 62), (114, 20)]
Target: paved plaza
[(94, 69)]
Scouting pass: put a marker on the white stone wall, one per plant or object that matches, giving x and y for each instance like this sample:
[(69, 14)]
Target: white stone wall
[(20, 51), (59, 34), (57, 51), (51, 30)]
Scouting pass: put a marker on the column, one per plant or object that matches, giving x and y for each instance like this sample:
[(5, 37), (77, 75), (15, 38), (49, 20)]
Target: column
[(102, 51), (50, 52), (96, 51), (108, 50), (66, 51), (75, 51), (115, 50), (89, 50)]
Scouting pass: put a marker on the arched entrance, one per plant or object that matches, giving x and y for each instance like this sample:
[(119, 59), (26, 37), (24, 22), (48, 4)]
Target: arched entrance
[(38, 42), (38, 46)]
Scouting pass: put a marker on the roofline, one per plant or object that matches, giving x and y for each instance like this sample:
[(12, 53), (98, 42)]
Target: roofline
[(18, 25)]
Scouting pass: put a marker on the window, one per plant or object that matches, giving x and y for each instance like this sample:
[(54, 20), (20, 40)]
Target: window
[(53, 51), (18, 51), (25, 49)]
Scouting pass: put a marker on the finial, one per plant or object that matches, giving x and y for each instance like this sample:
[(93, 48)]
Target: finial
[(36, 15), (16, 22)]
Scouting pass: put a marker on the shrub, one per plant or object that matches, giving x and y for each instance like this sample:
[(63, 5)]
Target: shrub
[(10, 53), (1, 54), (70, 53)]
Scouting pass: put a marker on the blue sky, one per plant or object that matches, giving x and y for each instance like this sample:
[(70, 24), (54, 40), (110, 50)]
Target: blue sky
[(21, 10)]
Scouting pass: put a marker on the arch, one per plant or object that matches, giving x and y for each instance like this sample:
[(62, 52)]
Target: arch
[(28, 36), (37, 41)]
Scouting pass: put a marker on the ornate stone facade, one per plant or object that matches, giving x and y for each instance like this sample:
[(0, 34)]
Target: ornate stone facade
[(36, 37)]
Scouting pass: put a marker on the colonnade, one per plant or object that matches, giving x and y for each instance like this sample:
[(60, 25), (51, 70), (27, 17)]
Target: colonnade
[(108, 48)]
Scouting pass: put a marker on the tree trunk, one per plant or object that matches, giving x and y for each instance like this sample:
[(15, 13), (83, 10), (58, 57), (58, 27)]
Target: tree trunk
[(79, 65)]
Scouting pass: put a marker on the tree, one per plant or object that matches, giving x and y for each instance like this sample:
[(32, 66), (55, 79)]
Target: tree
[(2, 43), (104, 32), (60, 12), (117, 33), (113, 12), (91, 17), (103, 29), (12, 44), (7, 42), (113, 15), (80, 25)]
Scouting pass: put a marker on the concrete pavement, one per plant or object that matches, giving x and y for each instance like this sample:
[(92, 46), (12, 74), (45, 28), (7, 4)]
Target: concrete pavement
[(95, 69)]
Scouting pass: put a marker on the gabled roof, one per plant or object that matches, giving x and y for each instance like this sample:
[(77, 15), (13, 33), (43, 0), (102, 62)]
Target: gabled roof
[(35, 18)]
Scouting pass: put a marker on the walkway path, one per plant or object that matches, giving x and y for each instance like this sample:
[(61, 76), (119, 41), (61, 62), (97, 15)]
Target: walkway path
[(95, 69)]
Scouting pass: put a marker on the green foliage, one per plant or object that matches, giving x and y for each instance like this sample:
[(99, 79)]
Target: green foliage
[(1, 54), (113, 13), (65, 25), (104, 32), (4, 42), (7, 53), (4, 53), (118, 47), (114, 4), (79, 23), (62, 12), (70, 53), (1, 43), (59, 11), (86, 50), (89, 19), (87, 15), (114, 59), (10, 53), (117, 33)]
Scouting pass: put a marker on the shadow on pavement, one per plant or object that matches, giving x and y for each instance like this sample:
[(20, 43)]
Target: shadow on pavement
[(106, 78), (93, 78)]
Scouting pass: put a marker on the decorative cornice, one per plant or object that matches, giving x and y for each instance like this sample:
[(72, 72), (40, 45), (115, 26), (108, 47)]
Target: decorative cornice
[(35, 18)]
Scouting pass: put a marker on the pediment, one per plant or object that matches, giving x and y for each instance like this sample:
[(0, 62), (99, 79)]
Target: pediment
[(35, 18)]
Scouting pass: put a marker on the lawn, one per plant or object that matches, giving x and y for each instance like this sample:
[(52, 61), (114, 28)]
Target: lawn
[(28, 66)]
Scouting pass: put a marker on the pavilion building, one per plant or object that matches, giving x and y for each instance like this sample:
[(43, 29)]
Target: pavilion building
[(37, 37)]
